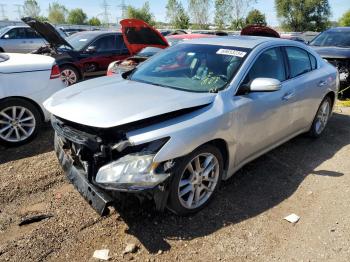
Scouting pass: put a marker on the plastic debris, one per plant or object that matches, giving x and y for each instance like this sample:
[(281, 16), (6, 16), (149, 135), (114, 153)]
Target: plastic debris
[(292, 218), (101, 254), (33, 219), (130, 248)]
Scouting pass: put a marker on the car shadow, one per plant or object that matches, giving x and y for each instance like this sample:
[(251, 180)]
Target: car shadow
[(42, 143), (257, 187)]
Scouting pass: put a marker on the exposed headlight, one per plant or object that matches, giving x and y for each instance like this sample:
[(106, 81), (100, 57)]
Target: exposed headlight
[(133, 170)]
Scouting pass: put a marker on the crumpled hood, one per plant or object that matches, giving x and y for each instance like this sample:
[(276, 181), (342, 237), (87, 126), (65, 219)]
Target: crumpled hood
[(332, 52), (112, 101)]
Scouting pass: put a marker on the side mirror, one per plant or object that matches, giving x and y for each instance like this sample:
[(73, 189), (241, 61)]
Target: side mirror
[(91, 49), (6, 36), (264, 85)]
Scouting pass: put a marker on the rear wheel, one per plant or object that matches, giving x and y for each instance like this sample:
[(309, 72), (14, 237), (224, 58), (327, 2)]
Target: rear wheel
[(19, 122), (321, 118), (196, 180), (69, 75)]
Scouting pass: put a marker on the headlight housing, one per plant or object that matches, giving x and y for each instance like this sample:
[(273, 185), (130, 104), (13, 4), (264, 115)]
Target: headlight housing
[(134, 170)]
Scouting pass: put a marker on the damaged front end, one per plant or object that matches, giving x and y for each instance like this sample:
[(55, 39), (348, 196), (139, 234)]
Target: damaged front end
[(104, 166)]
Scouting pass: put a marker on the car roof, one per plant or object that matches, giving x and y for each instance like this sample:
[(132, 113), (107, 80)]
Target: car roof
[(340, 28), (16, 26), (238, 41), (188, 36), (98, 32)]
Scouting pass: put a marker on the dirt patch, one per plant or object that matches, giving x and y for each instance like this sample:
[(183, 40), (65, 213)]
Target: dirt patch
[(244, 222)]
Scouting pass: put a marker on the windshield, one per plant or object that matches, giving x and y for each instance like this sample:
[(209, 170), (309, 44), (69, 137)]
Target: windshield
[(3, 30), (78, 41), (338, 38), (192, 67)]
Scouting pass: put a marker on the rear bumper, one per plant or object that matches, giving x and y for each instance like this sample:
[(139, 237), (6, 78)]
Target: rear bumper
[(97, 198)]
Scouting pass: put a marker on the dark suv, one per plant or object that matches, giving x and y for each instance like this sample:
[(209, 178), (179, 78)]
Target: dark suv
[(83, 54), (334, 46)]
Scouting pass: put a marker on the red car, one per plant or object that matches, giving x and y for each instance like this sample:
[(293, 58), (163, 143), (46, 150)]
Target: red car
[(144, 41)]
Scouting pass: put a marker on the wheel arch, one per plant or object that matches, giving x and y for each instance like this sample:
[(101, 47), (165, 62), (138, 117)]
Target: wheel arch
[(221, 144), (332, 96), (1, 50), (35, 104)]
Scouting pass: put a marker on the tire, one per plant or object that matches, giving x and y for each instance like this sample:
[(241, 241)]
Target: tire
[(25, 126), (321, 119), (69, 75), (182, 203)]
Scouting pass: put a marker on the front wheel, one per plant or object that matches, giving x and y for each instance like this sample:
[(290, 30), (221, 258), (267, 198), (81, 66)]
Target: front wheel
[(196, 179), (19, 122), (321, 118)]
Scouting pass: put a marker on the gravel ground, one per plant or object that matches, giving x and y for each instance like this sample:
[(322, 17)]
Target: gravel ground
[(244, 222)]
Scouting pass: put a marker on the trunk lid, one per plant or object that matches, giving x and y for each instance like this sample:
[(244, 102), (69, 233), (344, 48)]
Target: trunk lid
[(137, 35)]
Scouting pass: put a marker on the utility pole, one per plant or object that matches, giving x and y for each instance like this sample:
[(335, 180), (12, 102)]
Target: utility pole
[(105, 14), (2, 12), (19, 10), (123, 7)]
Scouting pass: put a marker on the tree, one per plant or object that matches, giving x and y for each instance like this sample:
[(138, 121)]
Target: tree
[(345, 19), (31, 8), (238, 10), (176, 15), (255, 17), (94, 21), (303, 15), (222, 17), (142, 13), (77, 17), (57, 13), (199, 13)]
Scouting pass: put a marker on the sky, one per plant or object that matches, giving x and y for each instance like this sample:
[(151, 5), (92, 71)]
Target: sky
[(94, 8)]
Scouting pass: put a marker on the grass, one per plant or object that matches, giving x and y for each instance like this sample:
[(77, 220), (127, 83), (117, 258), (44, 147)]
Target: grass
[(344, 103)]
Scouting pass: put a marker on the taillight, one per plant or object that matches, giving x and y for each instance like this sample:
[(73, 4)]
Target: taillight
[(55, 72), (110, 72)]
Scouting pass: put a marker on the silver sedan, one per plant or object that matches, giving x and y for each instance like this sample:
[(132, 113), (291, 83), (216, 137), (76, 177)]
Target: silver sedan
[(188, 118)]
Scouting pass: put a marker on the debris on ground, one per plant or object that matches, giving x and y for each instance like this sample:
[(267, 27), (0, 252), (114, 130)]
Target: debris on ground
[(130, 248), (101, 254), (34, 219), (292, 218)]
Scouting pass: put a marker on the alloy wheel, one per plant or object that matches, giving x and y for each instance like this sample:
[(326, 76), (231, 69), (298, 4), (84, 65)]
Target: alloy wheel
[(198, 180), (68, 76), (17, 123), (322, 117)]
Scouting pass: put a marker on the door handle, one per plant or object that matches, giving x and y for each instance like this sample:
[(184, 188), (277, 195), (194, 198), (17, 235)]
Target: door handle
[(322, 83), (288, 96)]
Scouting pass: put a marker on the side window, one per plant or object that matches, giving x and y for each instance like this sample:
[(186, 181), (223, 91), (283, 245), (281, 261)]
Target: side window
[(313, 61), (299, 61), (16, 33), (270, 64), (121, 45), (105, 44), (31, 34)]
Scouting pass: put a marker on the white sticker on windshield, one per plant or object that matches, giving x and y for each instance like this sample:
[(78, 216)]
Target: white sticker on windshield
[(83, 40), (231, 52)]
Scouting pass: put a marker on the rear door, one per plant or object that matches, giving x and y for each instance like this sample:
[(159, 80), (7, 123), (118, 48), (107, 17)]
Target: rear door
[(307, 82), (264, 118), (34, 40)]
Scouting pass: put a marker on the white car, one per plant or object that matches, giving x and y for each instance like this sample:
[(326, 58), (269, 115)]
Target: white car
[(26, 81)]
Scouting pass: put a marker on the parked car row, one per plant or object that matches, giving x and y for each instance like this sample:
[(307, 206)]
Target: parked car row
[(169, 122)]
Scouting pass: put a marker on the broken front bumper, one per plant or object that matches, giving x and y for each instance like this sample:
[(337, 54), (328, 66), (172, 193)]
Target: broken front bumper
[(97, 198)]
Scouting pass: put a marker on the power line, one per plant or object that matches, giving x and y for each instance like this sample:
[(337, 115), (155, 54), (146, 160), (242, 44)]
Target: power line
[(105, 14), (2, 12)]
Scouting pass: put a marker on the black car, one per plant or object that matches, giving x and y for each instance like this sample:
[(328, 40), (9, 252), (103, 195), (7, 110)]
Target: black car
[(334, 46), (83, 54)]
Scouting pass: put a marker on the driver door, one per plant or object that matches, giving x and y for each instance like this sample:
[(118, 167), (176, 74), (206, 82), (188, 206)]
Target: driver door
[(264, 118)]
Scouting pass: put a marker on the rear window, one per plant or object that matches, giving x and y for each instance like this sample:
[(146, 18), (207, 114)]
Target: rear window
[(299, 61), (4, 57)]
